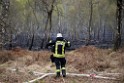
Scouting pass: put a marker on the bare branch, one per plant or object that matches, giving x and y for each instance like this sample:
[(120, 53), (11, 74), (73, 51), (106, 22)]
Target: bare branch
[(34, 14)]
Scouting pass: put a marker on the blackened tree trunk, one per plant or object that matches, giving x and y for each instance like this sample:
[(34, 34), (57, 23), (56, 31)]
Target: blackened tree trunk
[(45, 39), (119, 25), (104, 32), (42, 42), (32, 41), (90, 23), (10, 39), (98, 31), (4, 20)]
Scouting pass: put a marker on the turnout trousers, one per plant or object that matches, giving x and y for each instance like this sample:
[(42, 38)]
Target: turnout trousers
[(60, 66)]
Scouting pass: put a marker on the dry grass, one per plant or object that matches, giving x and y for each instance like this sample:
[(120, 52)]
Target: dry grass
[(89, 58), (21, 60), (5, 56), (14, 77), (74, 80), (2, 70), (83, 59)]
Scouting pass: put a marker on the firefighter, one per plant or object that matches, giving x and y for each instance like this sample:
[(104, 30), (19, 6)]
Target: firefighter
[(58, 57)]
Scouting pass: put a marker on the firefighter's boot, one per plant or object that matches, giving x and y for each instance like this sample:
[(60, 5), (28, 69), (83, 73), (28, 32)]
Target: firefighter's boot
[(64, 73), (57, 74)]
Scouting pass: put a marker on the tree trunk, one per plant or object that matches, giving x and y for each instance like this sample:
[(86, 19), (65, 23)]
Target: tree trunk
[(10, 39), (99, 27), (43, 41), (32, 41), (90, 23), (119, 25), (98, 34), (4, 20), (104, 32), (48, 22)]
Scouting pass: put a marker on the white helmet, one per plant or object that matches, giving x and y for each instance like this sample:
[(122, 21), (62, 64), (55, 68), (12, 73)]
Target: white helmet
[(59, 35)]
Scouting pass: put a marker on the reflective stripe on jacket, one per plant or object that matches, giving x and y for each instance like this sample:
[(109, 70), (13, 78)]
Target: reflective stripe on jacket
[(59, 49)]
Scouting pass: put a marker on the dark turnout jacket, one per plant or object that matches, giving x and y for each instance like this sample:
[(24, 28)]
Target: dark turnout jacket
[(58, 46)]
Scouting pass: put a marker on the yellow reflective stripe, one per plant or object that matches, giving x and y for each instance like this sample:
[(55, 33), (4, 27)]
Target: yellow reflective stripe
[(59, 55), (56, 52), (58, 70), (63, 48), (63, 68)]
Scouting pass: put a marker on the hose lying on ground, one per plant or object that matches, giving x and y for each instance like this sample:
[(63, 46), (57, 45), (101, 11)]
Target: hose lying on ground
[(69, 74)]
